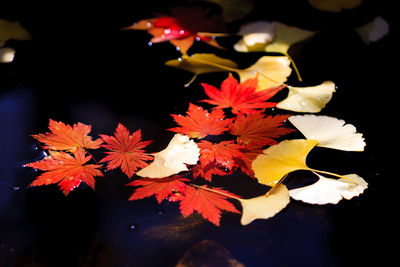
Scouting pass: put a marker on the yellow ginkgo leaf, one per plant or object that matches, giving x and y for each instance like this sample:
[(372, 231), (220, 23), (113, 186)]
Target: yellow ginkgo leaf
[(334, 5), (265, 206), (286, 36), (202, 63), (330, 132), (256, 35), (12, 30), (278, 160), (180, 151), (273, 71), (330, 191), (308, 99)]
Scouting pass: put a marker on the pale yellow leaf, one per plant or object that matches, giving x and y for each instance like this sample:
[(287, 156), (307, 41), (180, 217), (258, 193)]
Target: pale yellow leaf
[(6, 54), (330, 132), (286, 36), (265, 206), (330, 191), (308, 99), (272, 71), (180, 151), (12, 30), (278, 160)]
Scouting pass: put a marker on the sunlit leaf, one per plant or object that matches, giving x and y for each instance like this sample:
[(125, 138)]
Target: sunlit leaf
[(66, 170), (374, 30), (241, 97), (65, 137), (330, 191), (199, 122), (272, 71), (173, 159), (281, 159), (334, 5), (265, 206), (330, 132), (308, 99)]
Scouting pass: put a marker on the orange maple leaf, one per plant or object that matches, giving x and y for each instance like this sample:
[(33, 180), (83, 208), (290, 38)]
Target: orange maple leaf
[(66, 170), (258, 128), (242, 98), (64, 137), (199, 122), (126, 151)]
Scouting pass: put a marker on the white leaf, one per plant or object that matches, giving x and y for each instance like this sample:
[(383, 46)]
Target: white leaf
[(180, 151), (330, 191), (330, 132)]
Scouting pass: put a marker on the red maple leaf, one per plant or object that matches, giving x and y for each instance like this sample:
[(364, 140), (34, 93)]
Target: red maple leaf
[(217, 158), (126, 151), (160, 187), (65, 137), (182, 27), (199, 122), (207, 203), (66, 170), (258, 128), (242, 98)]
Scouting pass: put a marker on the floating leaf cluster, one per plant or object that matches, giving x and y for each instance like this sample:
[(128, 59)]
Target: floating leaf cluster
[(233, 130)]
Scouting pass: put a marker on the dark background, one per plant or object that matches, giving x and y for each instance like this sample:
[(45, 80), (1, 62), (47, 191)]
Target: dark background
[(80, 67)]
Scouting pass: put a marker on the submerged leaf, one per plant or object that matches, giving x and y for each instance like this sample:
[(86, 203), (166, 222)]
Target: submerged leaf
[(330, 132), (12, 30), (308, 99), (265, 206), (281, 159), (373, 31), (334, 5), (330, 191), (173, 159)]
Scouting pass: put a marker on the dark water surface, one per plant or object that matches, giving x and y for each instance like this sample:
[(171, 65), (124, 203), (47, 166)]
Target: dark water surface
[(80, 67)]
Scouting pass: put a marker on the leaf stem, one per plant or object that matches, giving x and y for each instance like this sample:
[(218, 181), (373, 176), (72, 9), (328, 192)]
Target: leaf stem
[(215, 191), (294, 67), (191, 80), (334, 174)]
